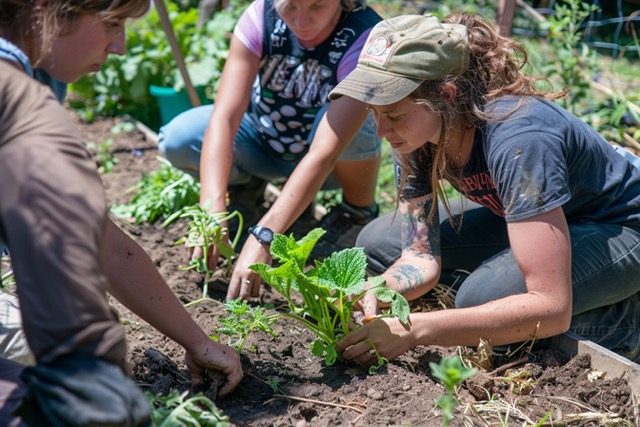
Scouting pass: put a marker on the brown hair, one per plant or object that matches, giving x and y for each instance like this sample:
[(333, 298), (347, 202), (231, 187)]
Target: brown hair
[(494, 70), (36, 23)]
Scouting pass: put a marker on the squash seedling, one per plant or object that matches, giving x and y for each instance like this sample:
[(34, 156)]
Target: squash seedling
[(205, 230), (451, 372), (329, 290)]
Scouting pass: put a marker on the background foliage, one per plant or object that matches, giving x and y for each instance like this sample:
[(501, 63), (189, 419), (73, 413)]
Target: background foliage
[(602, 90)]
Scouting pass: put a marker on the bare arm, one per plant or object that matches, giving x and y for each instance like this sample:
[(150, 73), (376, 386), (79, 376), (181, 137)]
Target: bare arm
[(216, 158), (231, 103), (136, 283), (341, 123), (541, 247)]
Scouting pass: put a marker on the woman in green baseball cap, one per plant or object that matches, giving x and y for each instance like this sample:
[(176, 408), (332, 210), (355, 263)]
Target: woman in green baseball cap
[(546, 236)]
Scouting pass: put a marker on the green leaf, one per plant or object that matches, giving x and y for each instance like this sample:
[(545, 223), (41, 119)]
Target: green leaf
[(317, 348), (451, 372), (287, 248), (399, 304), (344, 271)]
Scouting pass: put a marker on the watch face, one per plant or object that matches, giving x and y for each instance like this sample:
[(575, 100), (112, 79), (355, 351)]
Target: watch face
[(263, 234)]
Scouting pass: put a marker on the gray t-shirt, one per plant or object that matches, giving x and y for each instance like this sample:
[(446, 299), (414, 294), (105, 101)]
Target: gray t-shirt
[(539, 157)]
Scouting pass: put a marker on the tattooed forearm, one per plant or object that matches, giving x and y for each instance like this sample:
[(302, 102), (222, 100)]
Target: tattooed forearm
[(420, 236), (407, 276)]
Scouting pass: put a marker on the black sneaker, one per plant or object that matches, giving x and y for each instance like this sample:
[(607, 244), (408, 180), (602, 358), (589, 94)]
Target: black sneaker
[(342, 225)]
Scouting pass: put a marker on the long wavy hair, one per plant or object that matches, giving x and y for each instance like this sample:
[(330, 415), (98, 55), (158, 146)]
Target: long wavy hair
[(495, 69), (36, 23)]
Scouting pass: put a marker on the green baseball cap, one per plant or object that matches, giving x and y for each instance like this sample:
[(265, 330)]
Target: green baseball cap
[(400, 54)]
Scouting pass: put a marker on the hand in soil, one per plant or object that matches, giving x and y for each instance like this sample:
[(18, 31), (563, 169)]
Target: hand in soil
[(389, 337), (214, 357)]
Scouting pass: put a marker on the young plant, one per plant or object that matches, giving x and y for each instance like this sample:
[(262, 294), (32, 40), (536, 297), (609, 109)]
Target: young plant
[(176, 409), (451, 372), (242, 320), (160, 194), (329, 290), (103, 155), (205, 230), (577, 63)]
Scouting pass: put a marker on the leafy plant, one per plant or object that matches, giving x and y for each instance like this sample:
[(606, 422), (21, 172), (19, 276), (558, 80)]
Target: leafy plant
[(451, 372), (122, 84), (242, 320), (574, 70), (329, 290), (176, 409), (160, 194), (205, 230), (569, 61)]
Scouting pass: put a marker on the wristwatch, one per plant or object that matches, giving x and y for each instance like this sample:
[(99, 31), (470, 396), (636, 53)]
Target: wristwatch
[(262, 234)]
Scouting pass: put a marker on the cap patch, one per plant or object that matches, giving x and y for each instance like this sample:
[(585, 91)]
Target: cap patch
[(377, 51)]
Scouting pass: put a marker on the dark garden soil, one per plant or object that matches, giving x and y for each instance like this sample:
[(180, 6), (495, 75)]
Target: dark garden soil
[(519, 390)]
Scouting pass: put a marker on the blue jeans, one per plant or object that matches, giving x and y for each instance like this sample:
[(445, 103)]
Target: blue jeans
[(181, 142), (479, 263)]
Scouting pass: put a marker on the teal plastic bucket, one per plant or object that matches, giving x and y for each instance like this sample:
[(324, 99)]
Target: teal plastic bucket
[(172, 103)]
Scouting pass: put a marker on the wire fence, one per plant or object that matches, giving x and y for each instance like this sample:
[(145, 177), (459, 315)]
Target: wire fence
[(613, 27)]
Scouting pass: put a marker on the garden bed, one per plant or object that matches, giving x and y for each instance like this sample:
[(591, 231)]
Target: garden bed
[(568, 381)]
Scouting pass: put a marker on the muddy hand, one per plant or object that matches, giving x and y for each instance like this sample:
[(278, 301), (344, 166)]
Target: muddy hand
[(211, 355)]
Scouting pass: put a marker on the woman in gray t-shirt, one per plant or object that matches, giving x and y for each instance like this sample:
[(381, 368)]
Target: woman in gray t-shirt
[(546, 238)]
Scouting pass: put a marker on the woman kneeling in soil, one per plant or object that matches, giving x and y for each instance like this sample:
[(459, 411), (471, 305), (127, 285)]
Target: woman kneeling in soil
[(272, 120), (549, 232), (65, 251)]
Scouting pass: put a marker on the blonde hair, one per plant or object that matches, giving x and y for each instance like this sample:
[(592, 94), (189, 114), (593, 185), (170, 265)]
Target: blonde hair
[(37, 23), (494, 70)]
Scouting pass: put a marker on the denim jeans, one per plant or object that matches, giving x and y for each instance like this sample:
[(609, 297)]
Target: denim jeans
[(181, 142), (479, 263)]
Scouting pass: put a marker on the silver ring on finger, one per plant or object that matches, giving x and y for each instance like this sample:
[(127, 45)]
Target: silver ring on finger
[(248, 282)]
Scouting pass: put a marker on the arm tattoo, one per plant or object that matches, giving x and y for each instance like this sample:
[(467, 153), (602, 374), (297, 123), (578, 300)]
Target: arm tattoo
[(420, 237), (408, 275)]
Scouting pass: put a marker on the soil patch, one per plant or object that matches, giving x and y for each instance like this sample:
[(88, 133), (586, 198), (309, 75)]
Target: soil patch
[(284, 385)]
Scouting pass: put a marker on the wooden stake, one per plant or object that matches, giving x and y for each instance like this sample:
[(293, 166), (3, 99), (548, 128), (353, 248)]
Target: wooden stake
[(177, 54)]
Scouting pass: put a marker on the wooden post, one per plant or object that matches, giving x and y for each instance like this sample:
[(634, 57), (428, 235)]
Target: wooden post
[(504, 19), (177, 54)]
